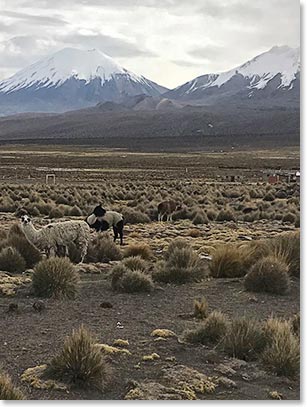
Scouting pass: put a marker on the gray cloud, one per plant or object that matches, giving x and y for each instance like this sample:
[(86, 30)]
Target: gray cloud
[(115, 47), (32, 18), (168, 41)]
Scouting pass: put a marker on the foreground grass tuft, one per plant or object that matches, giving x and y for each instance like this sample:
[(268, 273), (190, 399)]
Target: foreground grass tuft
[(282, 353), (201, 309), (55, 277), (244, 338), (211, 331), (7, 389), (268, 275), (138, 249), (80, 362)]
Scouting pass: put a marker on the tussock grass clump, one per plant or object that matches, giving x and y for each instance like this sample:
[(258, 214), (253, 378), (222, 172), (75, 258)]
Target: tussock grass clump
[(80, 362), (7, 389), (75, 211), (201, 308), (244, 338), (268, 275), (229, 261), (17, 239), (194, 233), (55, 277), (282, 353), (286, 247), (139, 249), (179, 244), (130, 281), (225, 215), (102, 249), (182, 265), (200, 218), (210, 331), (133, 216), (135, 263), (11, 260), (55, 213)]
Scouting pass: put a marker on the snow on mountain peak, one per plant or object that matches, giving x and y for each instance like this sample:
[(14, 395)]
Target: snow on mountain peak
[(54, 70), (260, 70)]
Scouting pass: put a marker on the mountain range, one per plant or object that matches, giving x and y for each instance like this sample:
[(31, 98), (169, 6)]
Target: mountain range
[(73, 79)]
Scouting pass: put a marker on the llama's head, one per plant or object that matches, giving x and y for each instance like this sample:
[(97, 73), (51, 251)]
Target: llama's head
[(99, 211), (25, 220)]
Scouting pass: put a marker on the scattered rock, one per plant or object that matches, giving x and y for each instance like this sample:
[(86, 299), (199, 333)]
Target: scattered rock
[(13, 307), (225, 370), (212, 357), (170, 359), (274, 395), (106, 304), (225, 382)]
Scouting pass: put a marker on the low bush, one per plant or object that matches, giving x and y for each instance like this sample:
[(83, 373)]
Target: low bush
[(282, 353), (244, 338), (11, 260), (229, 261), (210, 331), (133, 216), (226, 215), (268, 275), (138, 249), (102, 249), (130, 281), (200, 218), (55, 277), (182, 265), (80, 362), (135, 263)]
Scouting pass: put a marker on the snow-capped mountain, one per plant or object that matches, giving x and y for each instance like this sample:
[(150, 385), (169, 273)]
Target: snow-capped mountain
[(71, 79), (275, 74)]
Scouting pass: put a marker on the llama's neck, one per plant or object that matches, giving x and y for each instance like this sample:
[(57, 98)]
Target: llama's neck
[(31, 233)]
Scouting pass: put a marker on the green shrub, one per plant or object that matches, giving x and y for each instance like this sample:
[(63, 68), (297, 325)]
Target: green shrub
[(268, 275), (80, 362), (7, 389), (55, 277), (11, 260)]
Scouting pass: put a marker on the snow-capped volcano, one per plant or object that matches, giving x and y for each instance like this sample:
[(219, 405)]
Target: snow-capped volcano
[(71, 79), (275, 70)]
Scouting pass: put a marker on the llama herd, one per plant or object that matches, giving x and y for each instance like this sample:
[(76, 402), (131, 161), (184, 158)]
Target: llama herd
[(55, 238)]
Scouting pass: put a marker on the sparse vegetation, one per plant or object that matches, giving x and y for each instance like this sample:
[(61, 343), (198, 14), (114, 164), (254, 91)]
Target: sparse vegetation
[(55, 277), (80, 362), (201, 309)]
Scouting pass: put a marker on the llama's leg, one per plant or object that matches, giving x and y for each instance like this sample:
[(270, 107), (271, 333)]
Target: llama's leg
[(115, 231), (159, 217), (120, 228), (171, 217)]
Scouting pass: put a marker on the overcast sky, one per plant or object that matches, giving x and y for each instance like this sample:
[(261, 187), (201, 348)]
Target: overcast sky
[(168, 41)]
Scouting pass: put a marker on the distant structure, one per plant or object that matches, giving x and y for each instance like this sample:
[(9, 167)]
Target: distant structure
[(289, 176), (50, 177)]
